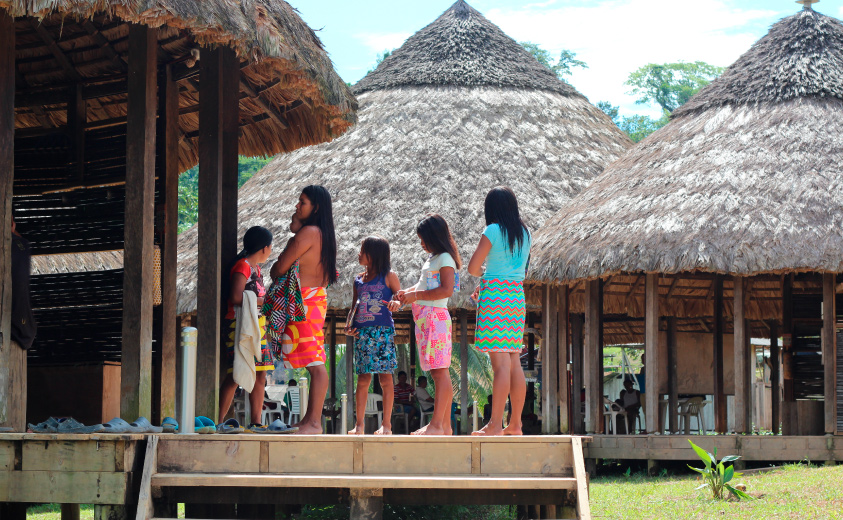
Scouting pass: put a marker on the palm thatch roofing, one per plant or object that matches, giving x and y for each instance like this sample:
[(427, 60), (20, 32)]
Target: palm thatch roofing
[(745, 179), (290, 96), (435, 146)]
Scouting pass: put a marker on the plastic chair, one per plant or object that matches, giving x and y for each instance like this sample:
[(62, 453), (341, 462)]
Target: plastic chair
[(692, 409), (271, 410), (613, 410), (398, 411), (423, 415), (295, 404), (372, 407), (240, 408)]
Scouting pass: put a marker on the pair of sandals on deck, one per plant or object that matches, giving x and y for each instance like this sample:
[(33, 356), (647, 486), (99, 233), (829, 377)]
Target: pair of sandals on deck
[(231, 426), (116, 425)]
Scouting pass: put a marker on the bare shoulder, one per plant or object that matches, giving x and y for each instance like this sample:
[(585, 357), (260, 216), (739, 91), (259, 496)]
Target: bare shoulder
[(309, 234), (392, 277)]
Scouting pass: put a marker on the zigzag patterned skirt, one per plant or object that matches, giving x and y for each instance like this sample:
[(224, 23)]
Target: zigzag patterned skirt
[(501, 311)]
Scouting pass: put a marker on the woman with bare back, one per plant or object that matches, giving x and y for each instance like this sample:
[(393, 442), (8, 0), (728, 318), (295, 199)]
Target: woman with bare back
[(314, 247)]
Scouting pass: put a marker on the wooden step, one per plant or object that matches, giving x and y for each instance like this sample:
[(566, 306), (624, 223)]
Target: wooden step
[(467, 482)]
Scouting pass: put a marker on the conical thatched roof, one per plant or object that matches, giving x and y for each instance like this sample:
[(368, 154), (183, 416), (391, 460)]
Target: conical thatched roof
[(435, 147), (745, 179)]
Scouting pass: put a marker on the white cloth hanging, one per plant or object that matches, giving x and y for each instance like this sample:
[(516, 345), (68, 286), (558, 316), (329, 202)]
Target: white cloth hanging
[(247, 341)]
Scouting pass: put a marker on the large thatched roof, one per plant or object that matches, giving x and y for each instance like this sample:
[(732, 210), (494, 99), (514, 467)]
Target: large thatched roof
[(745, 179), (434, 148), (290, 94)]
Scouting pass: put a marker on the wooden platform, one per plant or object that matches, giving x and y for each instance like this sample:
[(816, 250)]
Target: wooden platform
[(766, 448)]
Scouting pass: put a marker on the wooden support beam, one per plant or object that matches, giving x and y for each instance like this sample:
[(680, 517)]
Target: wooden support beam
[(169, 162), (593, 358), (349, 378), (563, 395), (829, 352), (105, 45), (464, 426), (775, 376), (672, 376), (332, 360), (704, 325), (273, 113), (230, 139), (77, 118), (12, 357), (671, 289), (550, 348), (651, 349), (743, 387), (787, 340), (412, 335), (56, 51), (136, 372), (720, 415), (577, 379)]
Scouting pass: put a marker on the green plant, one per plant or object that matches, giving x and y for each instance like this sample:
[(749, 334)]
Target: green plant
[(716, 475)]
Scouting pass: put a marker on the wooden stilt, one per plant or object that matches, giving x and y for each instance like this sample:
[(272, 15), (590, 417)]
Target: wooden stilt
[(465, 428), (592, 359), (829, 352), (366, 504), (230, 97), (563, 395), (333, 355), (13, 511), (577, 379), (743, 408), (672, 373), (550, 399), (136, 370), (720, 416), (349, 378), (775, 376), (169, 162), (651, 349), (70, 511)]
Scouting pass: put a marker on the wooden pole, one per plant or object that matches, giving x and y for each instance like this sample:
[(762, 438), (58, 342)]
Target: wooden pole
[(531, 354), (787, 346), (230, 92), (829, 352), (577, 379), (743, 409), (169, 109), (349, 377), (720, 415), (775, 376), (412, 351), (136, 371), (672, 374), (550, 346), (333, 355), (77, 117), (592, 359), (12, 357), (209, 298), (562, 361), (651, 349), (464, 426)]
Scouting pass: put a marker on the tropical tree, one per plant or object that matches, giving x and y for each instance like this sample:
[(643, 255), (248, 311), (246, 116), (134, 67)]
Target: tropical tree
[(671, 85), (562, 67)]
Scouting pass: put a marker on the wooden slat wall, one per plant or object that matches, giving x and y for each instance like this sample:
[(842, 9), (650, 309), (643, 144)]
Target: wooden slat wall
[(839, 383)]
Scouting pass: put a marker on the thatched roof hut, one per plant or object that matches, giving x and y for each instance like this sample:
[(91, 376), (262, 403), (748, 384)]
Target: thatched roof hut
[(745, 180), (457, 110)]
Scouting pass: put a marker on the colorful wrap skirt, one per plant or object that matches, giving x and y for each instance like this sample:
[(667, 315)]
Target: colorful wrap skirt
[(265, 363), (374, 351), (500, 316), (433, 336), (302, 344)]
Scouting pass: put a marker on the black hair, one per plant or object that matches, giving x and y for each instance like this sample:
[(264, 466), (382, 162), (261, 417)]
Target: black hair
[(433, 230), (292, 382), (255, 239), (501, 207), (323, 218), (377, 249), (402, 373), (422, 378)]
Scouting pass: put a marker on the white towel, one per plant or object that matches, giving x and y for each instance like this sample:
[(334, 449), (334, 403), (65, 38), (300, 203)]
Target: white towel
[(247, 341)]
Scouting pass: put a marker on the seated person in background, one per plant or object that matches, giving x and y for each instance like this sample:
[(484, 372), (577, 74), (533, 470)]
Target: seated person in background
[(630, 400), (403, 396), (423, 396), (287, 402)]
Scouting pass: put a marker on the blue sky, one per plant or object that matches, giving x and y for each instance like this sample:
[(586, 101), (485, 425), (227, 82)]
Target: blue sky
[(614, 37)]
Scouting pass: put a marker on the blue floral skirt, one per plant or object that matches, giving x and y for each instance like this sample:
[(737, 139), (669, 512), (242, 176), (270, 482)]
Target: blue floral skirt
[(374, 351)]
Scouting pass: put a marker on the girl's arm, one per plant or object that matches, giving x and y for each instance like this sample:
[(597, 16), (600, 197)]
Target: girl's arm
[(475, 265), (238, 285), (349, 327), (296, 247), (394, 285), (445, 289)]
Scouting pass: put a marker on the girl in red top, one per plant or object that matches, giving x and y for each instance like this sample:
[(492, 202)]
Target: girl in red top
[(246, 275)]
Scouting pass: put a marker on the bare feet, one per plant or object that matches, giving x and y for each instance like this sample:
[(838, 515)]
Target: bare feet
[(357, 430), (429, 430), (383, 430), (309, 429), (448, 430), (512, 430), (489, 430)]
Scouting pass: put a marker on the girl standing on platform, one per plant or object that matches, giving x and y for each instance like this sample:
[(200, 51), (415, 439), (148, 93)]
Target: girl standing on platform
[(374, 330), (505, 247), (429, 297)]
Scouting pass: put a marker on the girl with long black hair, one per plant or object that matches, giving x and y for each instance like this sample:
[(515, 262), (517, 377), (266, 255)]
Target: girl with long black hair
[(501, 309)]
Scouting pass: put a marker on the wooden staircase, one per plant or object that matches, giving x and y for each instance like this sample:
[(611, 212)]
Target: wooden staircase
[(365, 472)]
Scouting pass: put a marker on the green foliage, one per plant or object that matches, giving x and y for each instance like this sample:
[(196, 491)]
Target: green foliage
[(380, 57), (636, 126), (563, 67), (716, 476), (671, 85)]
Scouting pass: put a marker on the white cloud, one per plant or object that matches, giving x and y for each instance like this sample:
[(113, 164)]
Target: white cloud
[(615, 37), (379, 42)]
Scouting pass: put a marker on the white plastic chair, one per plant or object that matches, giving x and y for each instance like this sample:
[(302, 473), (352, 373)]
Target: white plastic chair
[(295, 404), (372, 408), (692, 408), (423, 415), (613, 410), (270, 414), (241, 408)]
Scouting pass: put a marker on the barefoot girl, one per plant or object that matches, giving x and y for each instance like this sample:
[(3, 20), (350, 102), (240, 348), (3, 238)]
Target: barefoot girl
[(245, 275), (430, 312), (505, 247), (374, 330), (315, 248)]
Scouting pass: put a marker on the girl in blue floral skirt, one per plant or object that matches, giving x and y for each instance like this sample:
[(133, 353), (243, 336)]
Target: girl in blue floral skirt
[(373, 328)]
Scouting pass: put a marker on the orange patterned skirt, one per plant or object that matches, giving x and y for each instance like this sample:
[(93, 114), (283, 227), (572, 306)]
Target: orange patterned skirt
[(303, 342)]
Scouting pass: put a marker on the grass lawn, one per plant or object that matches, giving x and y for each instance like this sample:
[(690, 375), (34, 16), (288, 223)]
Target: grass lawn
[(795, 491)]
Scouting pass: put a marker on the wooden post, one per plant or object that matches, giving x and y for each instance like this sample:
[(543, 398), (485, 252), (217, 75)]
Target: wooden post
[(787, 346), (743, 409), (550, 399), (592, 358), (12, 357), (230, 91), (829, 352), (531, 355), (720, 415), (366, 504), (136, 371), (464, 426), (577, 379), (169, 150), (349, 377), (775, 376), (562, 360), (333, 355), (651, 349), (412, 351), (70, 511), (77, 117), (672, 374)]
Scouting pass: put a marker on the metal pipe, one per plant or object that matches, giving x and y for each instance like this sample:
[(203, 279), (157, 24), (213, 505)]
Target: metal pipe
[(187, 410), (344, 403), (303, 395), (474, 418)]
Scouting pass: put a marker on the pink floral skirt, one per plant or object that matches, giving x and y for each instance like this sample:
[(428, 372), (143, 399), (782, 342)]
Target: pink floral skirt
[(433, 336)]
